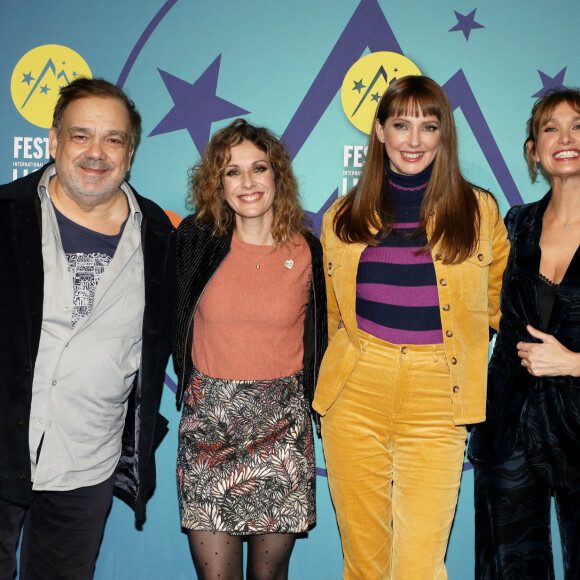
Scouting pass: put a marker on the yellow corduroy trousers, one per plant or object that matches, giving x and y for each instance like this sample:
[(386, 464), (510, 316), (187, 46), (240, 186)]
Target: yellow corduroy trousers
[(394, 459)]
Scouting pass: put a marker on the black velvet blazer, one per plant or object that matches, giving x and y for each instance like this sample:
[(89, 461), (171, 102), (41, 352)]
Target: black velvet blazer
[(199, 255), (509, 384)]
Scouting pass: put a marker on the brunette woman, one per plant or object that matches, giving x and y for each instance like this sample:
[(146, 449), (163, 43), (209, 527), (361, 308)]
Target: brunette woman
[(529, 448), (414, 256), (249, 337)]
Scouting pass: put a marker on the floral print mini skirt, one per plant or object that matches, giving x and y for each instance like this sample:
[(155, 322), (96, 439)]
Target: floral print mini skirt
[(245, 459)]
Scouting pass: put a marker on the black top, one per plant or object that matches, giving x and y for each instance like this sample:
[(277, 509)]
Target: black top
[(546, 295)]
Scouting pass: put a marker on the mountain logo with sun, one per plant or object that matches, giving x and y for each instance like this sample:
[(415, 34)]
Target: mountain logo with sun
[(38, 77), (366, 81)]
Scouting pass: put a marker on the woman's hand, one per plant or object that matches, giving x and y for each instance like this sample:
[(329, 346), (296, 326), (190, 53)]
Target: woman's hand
[(550, 358)]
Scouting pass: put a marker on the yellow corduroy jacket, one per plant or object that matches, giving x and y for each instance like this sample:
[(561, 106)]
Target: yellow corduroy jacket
[(469, 305)]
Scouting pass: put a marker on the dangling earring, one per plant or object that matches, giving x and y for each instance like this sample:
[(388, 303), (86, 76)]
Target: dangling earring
[(535, 167)]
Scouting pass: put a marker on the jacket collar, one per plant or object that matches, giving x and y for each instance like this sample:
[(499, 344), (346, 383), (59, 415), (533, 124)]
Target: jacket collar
[(528, 254), (527, 240)]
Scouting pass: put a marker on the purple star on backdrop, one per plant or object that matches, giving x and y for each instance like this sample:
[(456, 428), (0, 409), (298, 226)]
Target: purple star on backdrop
[(466, 23), (550, 83), (196, 106)]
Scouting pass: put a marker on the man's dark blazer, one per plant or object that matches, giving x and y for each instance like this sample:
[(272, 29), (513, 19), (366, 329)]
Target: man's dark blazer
[(21, 303)]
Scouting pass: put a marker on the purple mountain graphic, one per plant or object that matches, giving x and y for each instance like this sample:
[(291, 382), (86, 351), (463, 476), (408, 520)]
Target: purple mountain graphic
[(368, 27)]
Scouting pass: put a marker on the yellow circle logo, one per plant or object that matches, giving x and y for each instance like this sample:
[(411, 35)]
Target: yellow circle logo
[(366, 81), (37, 78)]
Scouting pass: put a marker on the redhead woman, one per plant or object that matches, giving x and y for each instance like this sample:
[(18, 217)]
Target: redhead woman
[(414, 256), (529, 448), (249, 336)]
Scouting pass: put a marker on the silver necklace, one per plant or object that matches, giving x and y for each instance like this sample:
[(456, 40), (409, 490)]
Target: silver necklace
[(253, 257), (565, 224), (288, 264), (258, 265)]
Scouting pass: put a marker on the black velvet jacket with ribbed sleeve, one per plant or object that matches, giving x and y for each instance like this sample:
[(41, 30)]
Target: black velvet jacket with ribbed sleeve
[(199, 255)]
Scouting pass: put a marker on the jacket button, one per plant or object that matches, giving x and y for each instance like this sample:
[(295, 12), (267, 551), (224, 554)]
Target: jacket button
[(480, 257), (455, 389), (448, 333), (443, 282), (446, 307), (20, 423), (453, 360), (329, 266), (404, 349), (438, 256), (21, 476)]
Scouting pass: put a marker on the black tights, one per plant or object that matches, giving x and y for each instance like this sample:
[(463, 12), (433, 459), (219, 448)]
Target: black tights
[(219, 556)]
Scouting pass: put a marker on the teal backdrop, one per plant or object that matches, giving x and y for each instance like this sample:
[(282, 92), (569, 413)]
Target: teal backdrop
[(193, 66)]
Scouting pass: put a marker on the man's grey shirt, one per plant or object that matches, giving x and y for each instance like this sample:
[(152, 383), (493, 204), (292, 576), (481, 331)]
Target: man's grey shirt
[(84, 372)]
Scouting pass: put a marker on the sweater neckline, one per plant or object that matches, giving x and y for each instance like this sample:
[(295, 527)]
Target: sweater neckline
[(409, 182)]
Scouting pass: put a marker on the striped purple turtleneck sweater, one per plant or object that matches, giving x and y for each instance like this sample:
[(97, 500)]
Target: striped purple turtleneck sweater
[(396, 287)]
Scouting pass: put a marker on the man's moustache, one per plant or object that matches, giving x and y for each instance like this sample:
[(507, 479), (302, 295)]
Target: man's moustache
[(98, 165)]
